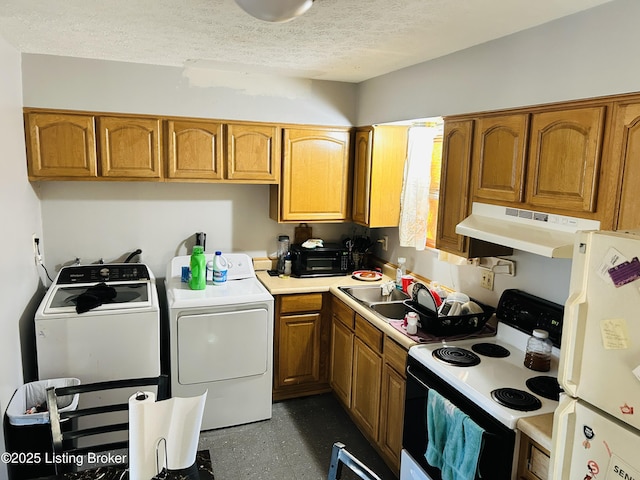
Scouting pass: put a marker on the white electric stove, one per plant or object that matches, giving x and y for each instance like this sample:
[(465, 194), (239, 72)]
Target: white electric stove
[(486, 379)]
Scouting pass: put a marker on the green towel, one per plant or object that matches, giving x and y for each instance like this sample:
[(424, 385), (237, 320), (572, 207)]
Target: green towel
[(454, 440)]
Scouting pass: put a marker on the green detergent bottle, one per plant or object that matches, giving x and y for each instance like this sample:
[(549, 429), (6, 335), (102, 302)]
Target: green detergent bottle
[(198, 279)]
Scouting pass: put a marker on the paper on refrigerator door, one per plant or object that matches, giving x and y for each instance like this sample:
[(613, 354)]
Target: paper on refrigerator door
[(612, 258), (169, 426)]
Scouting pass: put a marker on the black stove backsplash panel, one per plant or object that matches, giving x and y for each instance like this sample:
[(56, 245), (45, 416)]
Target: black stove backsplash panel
[(527, 312)]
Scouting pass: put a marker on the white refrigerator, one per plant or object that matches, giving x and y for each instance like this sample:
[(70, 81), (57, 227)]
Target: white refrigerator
[(596, 428)]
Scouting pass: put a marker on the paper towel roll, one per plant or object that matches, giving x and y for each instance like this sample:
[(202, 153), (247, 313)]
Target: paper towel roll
[(176, 420)]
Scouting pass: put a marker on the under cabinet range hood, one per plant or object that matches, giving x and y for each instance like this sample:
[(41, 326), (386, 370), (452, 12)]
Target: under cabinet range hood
[(541, 233)]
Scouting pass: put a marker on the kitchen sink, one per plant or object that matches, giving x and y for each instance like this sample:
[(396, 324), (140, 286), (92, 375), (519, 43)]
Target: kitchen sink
[(388, 307), (390, 310), (370, 295)]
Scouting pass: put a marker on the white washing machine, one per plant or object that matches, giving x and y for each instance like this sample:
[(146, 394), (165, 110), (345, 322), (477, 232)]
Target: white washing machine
[(221, 340), (118, 336)]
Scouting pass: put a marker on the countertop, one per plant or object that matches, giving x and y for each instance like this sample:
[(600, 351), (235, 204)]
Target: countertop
[(537, 428), (284, 286)]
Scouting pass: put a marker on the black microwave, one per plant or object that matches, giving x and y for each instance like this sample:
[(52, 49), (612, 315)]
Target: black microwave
[(332, 259)]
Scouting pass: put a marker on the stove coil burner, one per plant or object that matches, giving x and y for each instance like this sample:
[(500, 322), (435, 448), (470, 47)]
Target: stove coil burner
[(545, 386), (516, 399), (457, 356), (490, 350)]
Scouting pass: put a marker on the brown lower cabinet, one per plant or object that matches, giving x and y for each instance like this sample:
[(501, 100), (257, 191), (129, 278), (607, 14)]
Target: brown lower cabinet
[(533, 463), (367, 376), (301, 345)]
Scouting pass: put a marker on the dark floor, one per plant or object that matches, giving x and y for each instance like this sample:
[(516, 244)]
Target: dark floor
[(295, 444)]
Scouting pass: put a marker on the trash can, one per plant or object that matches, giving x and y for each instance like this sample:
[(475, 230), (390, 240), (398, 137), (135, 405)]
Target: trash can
[(27, 436)]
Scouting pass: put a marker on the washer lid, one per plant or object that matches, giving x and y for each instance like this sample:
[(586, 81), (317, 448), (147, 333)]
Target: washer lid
[(124, 295)]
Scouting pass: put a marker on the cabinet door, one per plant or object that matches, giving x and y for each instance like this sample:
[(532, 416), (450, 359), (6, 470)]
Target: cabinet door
[(315, 177), (341, 361), (533, 461), (564, 158), (61, 145), (130, 147), (299, 349), (362, 176), (454, 185), (392, 414), (367, 377), (253, 153), (499, 157), (626, 146), (195, 150), (388, 155)]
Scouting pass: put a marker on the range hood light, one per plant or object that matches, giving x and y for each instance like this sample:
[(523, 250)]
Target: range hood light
[(534, 232)]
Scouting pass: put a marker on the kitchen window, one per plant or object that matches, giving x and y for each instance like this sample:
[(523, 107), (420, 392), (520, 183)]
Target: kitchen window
[(421, 185)]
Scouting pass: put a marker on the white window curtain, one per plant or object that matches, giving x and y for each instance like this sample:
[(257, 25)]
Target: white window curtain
[(414, 201)]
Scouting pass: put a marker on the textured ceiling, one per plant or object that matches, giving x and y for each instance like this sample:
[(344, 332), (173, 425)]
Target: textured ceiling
[(342, 40)]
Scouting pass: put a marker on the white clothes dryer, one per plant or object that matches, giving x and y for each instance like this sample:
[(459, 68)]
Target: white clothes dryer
[(221, 340)]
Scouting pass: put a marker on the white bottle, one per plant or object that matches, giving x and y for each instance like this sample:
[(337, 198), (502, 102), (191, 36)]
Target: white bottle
[(412, 323), (220, 267), (400, 271)]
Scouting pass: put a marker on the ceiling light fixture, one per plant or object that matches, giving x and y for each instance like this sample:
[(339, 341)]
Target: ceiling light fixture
[(277, 11)]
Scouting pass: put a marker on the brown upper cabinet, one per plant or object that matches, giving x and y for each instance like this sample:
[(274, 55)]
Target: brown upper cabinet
[(499, 156), (130, 147), (454, 185), (315, 184), (380, 153), (253, 152), (625, 148), (195, 149), (555, 168), (61, 145), (564, 158)]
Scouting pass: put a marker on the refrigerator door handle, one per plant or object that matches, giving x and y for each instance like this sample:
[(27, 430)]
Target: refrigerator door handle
[(563, 428), (575, 315)]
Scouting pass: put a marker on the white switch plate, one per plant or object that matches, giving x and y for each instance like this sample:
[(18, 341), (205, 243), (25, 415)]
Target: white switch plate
[(486, 279)]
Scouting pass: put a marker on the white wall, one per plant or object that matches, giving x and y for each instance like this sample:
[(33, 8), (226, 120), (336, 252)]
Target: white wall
[(20, 218), (107, 220), (83, 84), (588, 54), (93, 220)]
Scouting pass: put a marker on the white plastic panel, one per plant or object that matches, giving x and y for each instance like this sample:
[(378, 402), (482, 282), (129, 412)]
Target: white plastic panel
[(222, 346), (95, 348)]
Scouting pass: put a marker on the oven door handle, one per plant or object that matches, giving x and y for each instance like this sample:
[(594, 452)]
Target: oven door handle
[(416, 378)]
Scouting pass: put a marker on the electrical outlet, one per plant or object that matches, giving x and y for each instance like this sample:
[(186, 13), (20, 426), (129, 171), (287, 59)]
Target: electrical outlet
[(37, 257), (385, 243), (486, 279)]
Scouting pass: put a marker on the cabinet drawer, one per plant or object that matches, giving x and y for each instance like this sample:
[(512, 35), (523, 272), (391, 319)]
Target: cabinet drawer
[(308, 302), (369, 334), (395, 356), (343, 313)]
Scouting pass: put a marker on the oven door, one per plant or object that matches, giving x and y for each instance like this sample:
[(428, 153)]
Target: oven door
[(497, 455)]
